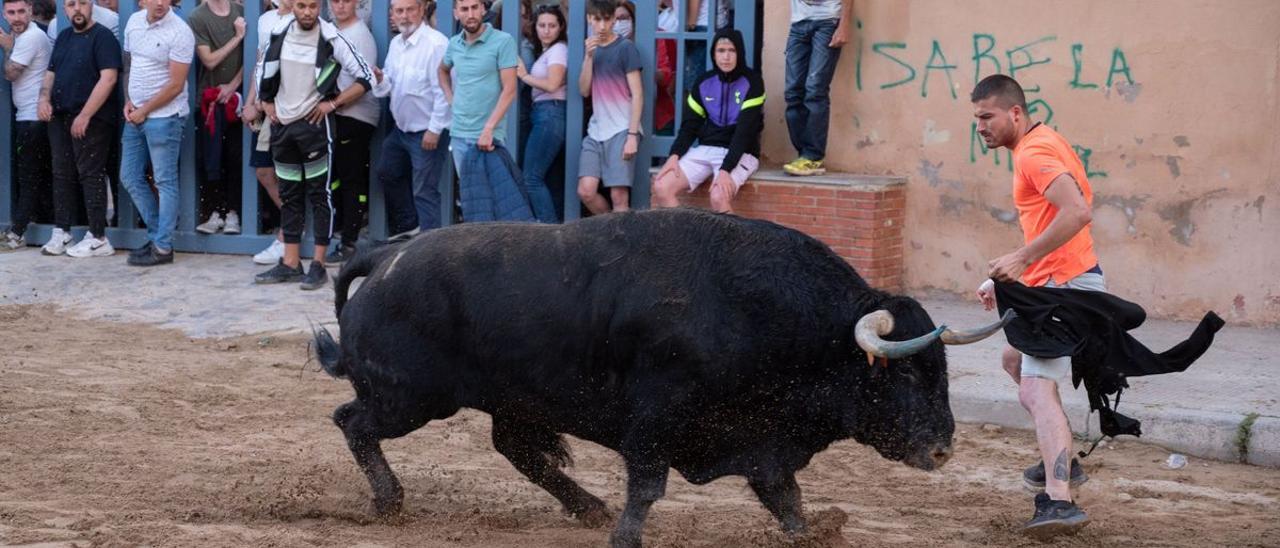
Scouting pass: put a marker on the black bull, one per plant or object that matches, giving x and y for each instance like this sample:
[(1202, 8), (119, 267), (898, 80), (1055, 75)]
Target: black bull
[(711, 344)]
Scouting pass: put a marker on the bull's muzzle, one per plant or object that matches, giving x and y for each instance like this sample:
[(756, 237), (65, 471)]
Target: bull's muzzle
[(871, 329)]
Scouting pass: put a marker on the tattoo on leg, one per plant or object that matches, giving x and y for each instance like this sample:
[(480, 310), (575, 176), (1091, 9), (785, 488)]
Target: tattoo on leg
[(1061, 471)]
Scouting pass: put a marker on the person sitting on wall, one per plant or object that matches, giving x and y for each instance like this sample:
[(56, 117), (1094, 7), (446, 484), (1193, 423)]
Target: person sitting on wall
[(724, 113)]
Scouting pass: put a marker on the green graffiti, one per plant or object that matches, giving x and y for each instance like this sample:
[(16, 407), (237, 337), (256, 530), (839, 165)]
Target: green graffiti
[(1084, 154), (1117, 59), (878, 47), (978, 56), (976, 145), (1025, 50), (1077, 63), (857, 64), (944, 67), (1039, 105)]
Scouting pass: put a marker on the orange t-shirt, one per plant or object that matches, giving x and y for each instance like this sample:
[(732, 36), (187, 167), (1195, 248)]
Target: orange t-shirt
[(1040, 157)]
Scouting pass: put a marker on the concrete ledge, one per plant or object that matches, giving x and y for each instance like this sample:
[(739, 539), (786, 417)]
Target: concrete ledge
[(847, 181), (1203, 434)]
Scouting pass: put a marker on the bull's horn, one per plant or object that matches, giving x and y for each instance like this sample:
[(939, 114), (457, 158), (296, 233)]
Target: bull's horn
[(975, 335), (872, 327)]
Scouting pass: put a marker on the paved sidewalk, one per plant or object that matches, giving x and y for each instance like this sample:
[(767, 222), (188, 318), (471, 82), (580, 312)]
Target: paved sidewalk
[(1198, 412)]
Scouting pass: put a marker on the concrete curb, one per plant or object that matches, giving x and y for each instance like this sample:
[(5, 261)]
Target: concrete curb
[(1198, 433)]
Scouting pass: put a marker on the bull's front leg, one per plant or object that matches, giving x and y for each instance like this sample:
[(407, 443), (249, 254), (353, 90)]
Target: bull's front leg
[(780, 494), (646, 483)]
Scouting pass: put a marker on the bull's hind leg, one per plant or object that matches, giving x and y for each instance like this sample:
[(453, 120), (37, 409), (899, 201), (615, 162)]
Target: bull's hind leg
[(365, 430), (538, 453), (781, 495)]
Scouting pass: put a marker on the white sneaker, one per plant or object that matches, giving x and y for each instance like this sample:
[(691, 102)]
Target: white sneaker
[(90, 246), (11, 241), (232, 226), (212, 226), (272, 254), (57, 243)]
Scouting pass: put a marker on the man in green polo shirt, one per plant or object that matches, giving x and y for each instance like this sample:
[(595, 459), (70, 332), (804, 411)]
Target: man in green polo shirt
[(478, 76)]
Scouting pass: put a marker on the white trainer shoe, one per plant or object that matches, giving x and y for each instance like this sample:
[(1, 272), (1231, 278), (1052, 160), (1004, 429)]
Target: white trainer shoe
[(232, 224), (272, 254), (57, 243), (11, 241), (91, 246), (212, 226)]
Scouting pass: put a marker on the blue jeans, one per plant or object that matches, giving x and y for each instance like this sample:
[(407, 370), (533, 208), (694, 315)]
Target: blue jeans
[(811, 63), (546, 140), (412, 201), (160, 140)]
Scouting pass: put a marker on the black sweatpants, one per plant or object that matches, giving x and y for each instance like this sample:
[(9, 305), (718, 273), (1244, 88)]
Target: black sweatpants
[(80, 170), (35, 175), (302, 152), (350, 186)]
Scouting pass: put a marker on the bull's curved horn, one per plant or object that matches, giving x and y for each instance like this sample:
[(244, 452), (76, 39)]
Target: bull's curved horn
[(977, 334), (871, 328)]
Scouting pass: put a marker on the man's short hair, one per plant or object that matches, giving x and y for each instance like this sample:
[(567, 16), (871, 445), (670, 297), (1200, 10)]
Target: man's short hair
[(27, 2), (1005, 89), (602, 8)]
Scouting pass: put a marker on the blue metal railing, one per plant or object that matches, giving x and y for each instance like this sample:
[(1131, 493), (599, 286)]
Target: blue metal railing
[(128, 234)]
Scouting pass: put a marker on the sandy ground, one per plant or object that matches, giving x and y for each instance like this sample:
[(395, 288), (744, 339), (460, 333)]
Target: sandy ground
[(117, 434)]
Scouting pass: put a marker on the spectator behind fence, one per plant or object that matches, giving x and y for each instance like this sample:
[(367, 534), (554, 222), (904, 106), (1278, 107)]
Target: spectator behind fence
[(300, 101), (219, 29), (416, 147), (819, 28), (158, 47), (26, 58), (481, 88), (547, 132), (611, 77), (724, 114), (101, 15), (42, 13), (355, 124), (664, 110), (79, 99), (260, 152)]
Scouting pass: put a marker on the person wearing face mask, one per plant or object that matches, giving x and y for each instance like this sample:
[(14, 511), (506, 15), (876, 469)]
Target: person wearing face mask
[(624, 20), (416, 148), (724, 113)]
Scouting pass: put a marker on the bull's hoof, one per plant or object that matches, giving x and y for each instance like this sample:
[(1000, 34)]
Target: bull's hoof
[(388, 507), (594, 517)]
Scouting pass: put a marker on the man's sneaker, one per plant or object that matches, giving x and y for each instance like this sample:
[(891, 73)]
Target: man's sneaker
[(1054, 518), (91, 246), (57, 243), (280, 274), (232, 224), (316, 277), (1035, 478), (804, 167), (150, 258), (272, 254), (144, 250), (405, 236), (340, 253), (212, 226), (11, 241)]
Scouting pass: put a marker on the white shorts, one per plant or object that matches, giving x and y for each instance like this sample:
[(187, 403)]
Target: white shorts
[(1059, 369), (702, 162)]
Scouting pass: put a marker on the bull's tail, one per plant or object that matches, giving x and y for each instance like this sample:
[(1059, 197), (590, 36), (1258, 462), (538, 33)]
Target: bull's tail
[(328, 353), (365, 261)]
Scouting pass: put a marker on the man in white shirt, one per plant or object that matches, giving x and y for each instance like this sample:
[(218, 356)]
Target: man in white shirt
[(26, 59), (419, 142), (158, 49), (354, 126)]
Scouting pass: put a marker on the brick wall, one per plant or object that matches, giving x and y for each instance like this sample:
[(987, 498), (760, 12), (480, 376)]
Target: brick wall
[(859, 217)]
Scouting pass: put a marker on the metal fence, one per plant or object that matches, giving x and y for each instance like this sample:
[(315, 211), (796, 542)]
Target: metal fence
[(127, 232)]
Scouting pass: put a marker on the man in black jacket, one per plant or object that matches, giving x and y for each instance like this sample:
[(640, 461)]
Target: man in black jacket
[(724, 114)]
